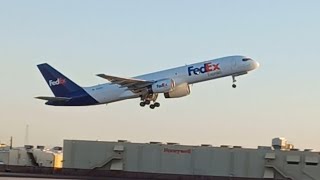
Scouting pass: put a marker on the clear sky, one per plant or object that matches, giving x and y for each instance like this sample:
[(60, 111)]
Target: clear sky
[(128, 38)]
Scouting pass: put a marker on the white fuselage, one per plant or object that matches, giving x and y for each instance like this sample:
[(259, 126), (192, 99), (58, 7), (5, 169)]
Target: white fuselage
[(190, 74)]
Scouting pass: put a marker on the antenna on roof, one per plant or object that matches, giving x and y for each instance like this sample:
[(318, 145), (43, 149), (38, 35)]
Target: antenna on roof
[(26, 137), (11, 142)]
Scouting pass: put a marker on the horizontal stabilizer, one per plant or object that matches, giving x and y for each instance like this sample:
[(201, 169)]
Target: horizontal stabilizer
[(53, 99)]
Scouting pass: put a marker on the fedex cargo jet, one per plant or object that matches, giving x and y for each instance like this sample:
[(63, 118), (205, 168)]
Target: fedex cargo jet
[(173, 83)]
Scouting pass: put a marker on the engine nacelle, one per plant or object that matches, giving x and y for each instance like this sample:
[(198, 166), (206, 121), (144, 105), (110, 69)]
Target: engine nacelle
[(162, 86), (179, 91)]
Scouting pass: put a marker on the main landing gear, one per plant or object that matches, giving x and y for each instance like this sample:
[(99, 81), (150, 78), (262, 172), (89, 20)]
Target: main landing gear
[(146, 100), (234, 81)]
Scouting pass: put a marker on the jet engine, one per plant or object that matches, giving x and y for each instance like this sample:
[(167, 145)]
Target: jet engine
[(162, 86), (179, 91)]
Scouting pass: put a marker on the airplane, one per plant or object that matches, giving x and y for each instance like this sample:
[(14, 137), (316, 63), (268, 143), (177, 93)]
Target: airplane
[(173, 83)]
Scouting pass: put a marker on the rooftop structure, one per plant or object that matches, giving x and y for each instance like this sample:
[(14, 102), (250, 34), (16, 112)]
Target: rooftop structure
[(30, 156), (281, 161)]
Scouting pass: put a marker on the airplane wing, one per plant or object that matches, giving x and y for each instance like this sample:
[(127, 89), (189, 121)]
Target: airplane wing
[(53, 99), (134, 85)]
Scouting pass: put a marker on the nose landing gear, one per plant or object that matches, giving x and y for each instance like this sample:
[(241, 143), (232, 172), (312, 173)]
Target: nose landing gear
[(234, 81)]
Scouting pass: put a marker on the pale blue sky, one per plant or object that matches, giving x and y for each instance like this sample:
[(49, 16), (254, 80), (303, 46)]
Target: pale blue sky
[(128, 38)]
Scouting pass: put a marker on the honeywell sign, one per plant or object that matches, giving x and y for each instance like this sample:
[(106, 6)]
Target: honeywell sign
[(177, 151)]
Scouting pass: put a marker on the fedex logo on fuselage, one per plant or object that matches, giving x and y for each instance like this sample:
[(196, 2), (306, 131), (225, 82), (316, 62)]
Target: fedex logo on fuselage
[(206, 68), (59, 81)]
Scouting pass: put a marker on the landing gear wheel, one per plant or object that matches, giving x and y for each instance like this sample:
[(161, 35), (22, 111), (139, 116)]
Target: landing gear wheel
[(142, 104), (234, 86), (152, 106), (147, 102), (157, 104), (146, 99)]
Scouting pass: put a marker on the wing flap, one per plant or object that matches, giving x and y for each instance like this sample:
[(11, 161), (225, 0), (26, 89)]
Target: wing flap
[(132, 84)]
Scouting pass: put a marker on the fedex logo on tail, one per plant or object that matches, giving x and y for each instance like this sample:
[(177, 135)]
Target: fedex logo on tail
[(206, 68), (57, 82)]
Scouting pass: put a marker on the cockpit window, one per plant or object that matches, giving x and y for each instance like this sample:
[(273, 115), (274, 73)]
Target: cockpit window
[(246, 59)]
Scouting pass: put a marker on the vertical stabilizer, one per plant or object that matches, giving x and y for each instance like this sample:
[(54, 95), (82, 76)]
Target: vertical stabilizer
[(60, 85)]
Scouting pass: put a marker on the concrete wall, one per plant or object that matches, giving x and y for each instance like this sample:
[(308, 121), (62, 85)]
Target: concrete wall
[(4, 155), (191, 160), (19, 157)]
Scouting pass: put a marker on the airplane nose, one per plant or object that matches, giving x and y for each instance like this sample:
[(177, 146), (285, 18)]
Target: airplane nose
[(257, 64)]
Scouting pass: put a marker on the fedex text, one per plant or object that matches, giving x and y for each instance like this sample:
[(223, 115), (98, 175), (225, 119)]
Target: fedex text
[(206, 68), (56, 82)]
